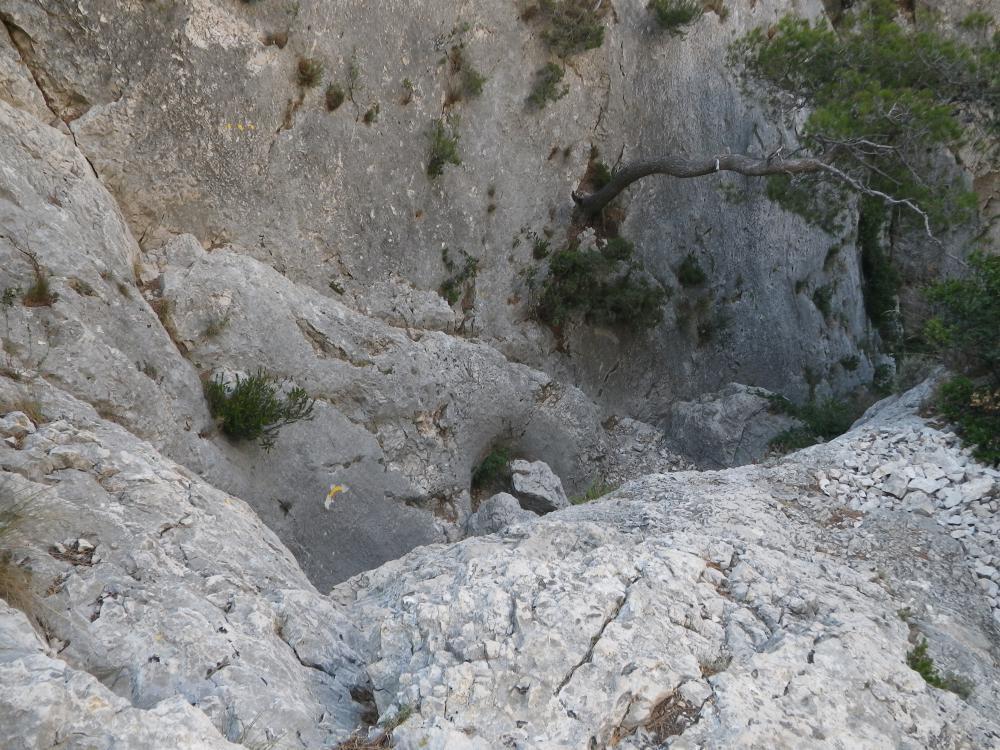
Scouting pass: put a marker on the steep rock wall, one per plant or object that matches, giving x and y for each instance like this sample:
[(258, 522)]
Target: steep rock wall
[(192, 117)]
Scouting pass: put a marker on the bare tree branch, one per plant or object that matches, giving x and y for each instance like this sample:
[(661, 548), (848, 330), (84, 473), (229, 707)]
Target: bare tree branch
[(679, 167), (739, 163)]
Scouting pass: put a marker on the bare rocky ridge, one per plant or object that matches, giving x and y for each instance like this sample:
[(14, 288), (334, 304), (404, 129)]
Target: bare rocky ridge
[(716, 609)]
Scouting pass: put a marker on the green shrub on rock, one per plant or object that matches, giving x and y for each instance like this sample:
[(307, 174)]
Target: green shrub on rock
[(571, 26), (547, 86), (823, 420), (690, 273), (604, 288), (443, 149), (494, 469), (250, 409), (964, 332), (673, 15), (310, 72)]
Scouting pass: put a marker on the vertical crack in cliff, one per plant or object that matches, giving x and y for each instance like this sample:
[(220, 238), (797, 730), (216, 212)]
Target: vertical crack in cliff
[(21, 42), (612, 616), (76, 105)]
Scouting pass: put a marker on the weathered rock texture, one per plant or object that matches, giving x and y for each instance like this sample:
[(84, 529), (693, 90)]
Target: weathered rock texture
[(537, 487), (192, 117), (196, 213), (730, 427), (725, 609), (154, 593), (403, 414), (750, 606), (133, 134)]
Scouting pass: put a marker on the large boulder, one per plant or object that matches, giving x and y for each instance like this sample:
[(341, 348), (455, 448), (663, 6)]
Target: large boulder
[(537, 486), (496, 514), (730, 427)]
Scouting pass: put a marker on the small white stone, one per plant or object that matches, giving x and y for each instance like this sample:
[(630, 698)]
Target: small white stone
[(976, 489), (895, 485), (950, 497), (988, 587), (986, 571), (932, 471), (930, 486), (16, 424)]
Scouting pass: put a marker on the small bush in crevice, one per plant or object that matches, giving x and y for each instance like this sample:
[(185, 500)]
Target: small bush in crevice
[(850, 362), (250, 409), (547, 86), (598, 174), (673, 16), (409, 91), (40, 293), (335, 97), (458, 284), (824, 420), (964, 333), (466, 81), (596, 490), (921, 662), (493, 470), (602, 290), (570, 27), (371, 115), (823, 298), (443, 147), (310, 72), (540, 248), (690, 273)]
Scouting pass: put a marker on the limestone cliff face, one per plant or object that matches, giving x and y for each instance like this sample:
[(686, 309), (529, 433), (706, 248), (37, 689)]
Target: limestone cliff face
[(403, 414), (191, 115)]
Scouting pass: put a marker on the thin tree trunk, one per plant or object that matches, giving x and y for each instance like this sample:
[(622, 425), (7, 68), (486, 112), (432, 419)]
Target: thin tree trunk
[(678, 167)]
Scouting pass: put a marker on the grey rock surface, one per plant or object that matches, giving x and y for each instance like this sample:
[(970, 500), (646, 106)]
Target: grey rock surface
[(739, 608), (192, 117), (730, 427), (166, 610), (715, 609), (47, 703), (183, 127), (537, 487), (403, 413), (495, 514), (198, 213)]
